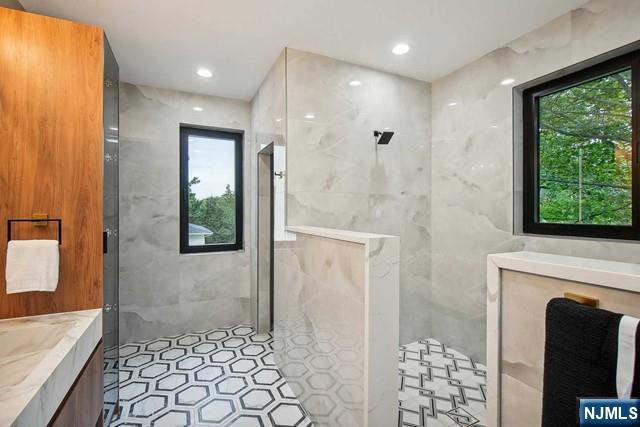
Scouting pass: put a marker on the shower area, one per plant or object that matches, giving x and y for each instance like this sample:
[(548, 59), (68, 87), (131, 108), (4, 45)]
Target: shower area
[(358, 157), (328, 164)]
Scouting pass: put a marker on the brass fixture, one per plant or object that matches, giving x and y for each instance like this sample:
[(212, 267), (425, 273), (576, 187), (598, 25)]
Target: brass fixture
[(581, 299), (40, 216)]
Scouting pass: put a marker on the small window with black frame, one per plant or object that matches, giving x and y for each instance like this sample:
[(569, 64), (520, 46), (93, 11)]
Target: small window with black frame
[(211, 217), (581, 158)]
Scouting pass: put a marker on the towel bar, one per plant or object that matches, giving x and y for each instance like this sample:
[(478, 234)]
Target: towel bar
[(59, 221)]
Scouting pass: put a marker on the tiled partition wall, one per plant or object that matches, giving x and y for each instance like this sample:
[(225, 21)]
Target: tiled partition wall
[(472, 165), (161, 291), (337, 177), (336, 325)]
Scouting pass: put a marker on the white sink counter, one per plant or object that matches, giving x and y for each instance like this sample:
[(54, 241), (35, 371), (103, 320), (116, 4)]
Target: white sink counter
[(40, 358)]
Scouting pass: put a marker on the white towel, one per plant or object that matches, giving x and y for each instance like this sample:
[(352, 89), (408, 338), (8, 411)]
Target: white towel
[(626, 356), (32, 265)]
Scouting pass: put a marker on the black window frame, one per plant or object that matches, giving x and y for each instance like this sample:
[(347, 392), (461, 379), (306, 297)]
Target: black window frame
[(530, 103), (237, 136)]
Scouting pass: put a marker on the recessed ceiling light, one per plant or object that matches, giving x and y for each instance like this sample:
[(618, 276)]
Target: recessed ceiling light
[(355, 83), (310, 116), (507, 82), (204, 72), (197, 108), (401, 49), (278, 120), (452, 104)]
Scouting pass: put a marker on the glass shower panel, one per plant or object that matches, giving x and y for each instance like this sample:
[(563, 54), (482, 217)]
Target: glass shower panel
[(264, 292), (110, 327)]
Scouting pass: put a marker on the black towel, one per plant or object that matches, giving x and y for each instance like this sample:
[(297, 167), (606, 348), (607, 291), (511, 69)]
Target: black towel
[(580, 359)]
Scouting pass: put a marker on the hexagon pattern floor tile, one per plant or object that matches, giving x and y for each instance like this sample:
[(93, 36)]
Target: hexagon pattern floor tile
[(226, 377), (223, 377)]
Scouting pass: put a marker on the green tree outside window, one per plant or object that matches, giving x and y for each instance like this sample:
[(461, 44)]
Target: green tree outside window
[(585, 140)]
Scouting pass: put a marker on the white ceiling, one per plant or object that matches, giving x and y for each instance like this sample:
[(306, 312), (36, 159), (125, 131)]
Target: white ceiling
[(162, 42)]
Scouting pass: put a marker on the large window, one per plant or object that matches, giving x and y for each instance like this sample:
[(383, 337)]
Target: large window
[(581, 167), (210, 190)]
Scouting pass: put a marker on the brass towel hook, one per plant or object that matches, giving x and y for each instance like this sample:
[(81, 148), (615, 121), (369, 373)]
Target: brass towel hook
[(581, 299)]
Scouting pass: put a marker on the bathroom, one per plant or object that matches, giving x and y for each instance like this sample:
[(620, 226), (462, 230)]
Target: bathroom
[(274, 214)]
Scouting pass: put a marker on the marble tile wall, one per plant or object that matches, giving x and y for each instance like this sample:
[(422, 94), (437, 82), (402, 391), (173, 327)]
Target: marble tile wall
[(472, 165), (444, 184), (337, 177), (336, 325), (161, 291)]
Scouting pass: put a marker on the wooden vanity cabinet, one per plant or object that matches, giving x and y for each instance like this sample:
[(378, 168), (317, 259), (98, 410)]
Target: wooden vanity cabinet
[(82, 406)]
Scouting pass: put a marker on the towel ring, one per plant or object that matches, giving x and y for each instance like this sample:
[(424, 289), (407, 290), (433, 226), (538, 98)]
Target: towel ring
[(59, 221)]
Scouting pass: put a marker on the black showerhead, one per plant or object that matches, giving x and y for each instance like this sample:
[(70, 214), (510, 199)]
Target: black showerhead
[(382, 138)]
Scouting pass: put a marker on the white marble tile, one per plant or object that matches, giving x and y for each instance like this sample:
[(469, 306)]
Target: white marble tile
[(161, 291), (40, 358), (336, 325), (472, 164), (337, 177)]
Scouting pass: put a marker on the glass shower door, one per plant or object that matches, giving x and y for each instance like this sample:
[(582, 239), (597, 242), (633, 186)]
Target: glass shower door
[(110, 328)]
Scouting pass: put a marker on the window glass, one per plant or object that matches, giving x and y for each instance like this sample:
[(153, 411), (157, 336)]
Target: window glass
[(211, 189), (585, 152), (212, 197)]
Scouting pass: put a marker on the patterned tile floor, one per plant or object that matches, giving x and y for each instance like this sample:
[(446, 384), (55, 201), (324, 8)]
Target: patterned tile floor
[(223, 377), (440, 386), (226, 377)]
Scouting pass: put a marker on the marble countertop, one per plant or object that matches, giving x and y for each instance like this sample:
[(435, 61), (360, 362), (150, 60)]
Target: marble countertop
[(611, 274), (333, 233), (40, 358)]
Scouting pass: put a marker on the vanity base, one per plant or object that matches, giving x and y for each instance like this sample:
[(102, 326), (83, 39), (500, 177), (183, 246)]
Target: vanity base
[(82, 406)]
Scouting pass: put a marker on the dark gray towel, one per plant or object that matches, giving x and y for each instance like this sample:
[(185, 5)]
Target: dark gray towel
[(580, 358)]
